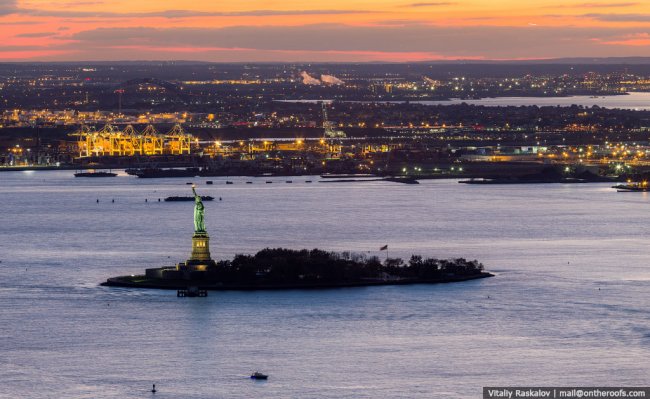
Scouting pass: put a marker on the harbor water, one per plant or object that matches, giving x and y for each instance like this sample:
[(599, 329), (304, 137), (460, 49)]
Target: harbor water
[(637, 101), (569, 305)]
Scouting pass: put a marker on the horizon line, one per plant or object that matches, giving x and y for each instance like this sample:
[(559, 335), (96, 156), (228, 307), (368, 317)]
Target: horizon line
[(595, 59)]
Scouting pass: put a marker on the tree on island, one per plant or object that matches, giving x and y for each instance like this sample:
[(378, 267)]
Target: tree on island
[(288, 266)]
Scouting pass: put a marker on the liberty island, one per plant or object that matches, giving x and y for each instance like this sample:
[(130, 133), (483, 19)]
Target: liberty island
[(281, 268)]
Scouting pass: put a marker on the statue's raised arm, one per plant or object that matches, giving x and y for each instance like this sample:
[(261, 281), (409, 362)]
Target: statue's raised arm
[(199, 224)]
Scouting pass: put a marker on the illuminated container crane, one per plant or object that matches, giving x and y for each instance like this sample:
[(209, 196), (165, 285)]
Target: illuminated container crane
[(125, 142), (84, 141), (152, 141), (128, 142), (100, 141), (178, 141)]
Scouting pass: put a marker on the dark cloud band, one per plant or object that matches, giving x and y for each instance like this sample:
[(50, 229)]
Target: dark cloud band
[(485, 41)]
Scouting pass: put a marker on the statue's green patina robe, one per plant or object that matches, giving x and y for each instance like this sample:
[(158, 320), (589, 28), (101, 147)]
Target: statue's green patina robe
[(199, 224)]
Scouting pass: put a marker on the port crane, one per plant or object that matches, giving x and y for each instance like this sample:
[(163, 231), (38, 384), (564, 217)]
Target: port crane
[(112, 141)]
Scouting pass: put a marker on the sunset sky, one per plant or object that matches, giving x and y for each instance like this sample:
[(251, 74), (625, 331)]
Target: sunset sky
[(334, 30)]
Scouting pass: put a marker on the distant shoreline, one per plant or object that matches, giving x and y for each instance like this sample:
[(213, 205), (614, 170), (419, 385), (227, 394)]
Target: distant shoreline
[(476, 173)]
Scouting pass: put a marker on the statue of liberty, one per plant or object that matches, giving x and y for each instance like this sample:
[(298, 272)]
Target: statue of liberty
[(199, 224)]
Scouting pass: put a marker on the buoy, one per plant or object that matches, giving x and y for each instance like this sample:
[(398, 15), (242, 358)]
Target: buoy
[(153, 390)]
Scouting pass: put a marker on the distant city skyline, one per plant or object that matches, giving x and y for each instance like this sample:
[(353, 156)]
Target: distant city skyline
[(333, 31)]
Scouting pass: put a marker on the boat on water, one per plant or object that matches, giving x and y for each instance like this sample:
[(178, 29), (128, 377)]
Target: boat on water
[(95, 174), (177, 198), (192, 292), (630, 187), (259, 376), (149, 173), (400, 179), (346, 175)]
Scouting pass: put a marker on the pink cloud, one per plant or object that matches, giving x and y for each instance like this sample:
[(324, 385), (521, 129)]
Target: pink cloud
[(390, 56), (637, 39)]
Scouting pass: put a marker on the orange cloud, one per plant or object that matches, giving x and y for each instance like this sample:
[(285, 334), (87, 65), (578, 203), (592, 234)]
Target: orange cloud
[(443, 29)]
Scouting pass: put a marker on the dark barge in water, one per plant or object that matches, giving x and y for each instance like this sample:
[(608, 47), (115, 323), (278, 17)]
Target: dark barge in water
[(632, 187), (95, 174), (148, 173), (182, 198), (546, 175)]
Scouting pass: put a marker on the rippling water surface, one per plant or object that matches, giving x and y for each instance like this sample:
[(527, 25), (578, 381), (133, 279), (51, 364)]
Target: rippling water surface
[(569, 305)]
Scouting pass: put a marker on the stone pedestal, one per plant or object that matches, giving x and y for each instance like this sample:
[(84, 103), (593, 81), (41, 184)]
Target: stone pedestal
[(200, 247), (200, 259)]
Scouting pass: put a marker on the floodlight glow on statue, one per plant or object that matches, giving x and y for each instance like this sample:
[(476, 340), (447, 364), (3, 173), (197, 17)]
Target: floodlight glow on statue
[(199, 210), (200, 258)]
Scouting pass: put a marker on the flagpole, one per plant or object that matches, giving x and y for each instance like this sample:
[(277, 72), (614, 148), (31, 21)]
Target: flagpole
[(384, 248)]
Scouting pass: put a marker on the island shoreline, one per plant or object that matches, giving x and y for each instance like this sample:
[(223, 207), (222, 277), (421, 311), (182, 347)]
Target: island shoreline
[(136, 282)]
